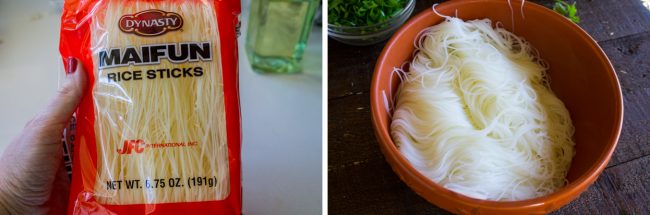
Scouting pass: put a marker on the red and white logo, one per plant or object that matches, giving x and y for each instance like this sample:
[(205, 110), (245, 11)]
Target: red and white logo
[(150, 23), (130, 146)]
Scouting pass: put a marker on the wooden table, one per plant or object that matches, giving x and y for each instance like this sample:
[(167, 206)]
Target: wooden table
[(361, 181)]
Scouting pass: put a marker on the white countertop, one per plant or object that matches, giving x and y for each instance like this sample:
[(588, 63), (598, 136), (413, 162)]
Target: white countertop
[(29, 62), (281, 114)]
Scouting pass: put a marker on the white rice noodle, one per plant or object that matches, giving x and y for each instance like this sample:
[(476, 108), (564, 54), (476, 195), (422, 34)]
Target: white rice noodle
[(476, 115)]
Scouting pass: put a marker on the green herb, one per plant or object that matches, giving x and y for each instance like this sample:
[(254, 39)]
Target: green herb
[(566, 9), (362, 12)]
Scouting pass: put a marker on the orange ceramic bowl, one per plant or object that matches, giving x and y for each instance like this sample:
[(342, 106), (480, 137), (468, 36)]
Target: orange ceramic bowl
[(581, 76)]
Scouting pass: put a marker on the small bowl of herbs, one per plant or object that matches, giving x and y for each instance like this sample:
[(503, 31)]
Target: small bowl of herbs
[(365, 22)]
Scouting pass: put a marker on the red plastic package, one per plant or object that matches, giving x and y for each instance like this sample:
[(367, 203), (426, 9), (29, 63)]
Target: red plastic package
[(158, 128)]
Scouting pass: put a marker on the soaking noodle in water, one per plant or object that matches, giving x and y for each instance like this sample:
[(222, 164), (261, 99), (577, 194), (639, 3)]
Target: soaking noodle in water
[(476, 115)]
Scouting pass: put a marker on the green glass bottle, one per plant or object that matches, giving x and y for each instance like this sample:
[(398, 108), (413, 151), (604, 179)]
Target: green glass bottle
[(277, 34)]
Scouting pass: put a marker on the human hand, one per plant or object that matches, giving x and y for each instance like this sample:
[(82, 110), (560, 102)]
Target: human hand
[(33, 179)]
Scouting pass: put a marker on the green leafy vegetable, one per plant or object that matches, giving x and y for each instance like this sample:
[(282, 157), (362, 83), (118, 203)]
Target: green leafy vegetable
[(566, 9), (362, 12)]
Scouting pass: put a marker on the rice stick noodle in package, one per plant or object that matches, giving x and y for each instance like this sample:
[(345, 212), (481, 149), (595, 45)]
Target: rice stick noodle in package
[(158, 128)]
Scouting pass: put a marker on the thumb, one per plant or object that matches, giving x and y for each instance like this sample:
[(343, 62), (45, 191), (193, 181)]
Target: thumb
[(58, 112)]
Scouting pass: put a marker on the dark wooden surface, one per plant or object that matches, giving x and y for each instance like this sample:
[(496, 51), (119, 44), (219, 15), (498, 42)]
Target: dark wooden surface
[(361, 182)]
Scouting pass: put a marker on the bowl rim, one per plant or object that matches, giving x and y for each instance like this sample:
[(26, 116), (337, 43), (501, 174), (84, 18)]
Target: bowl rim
[(548, 202), (409, 5)]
